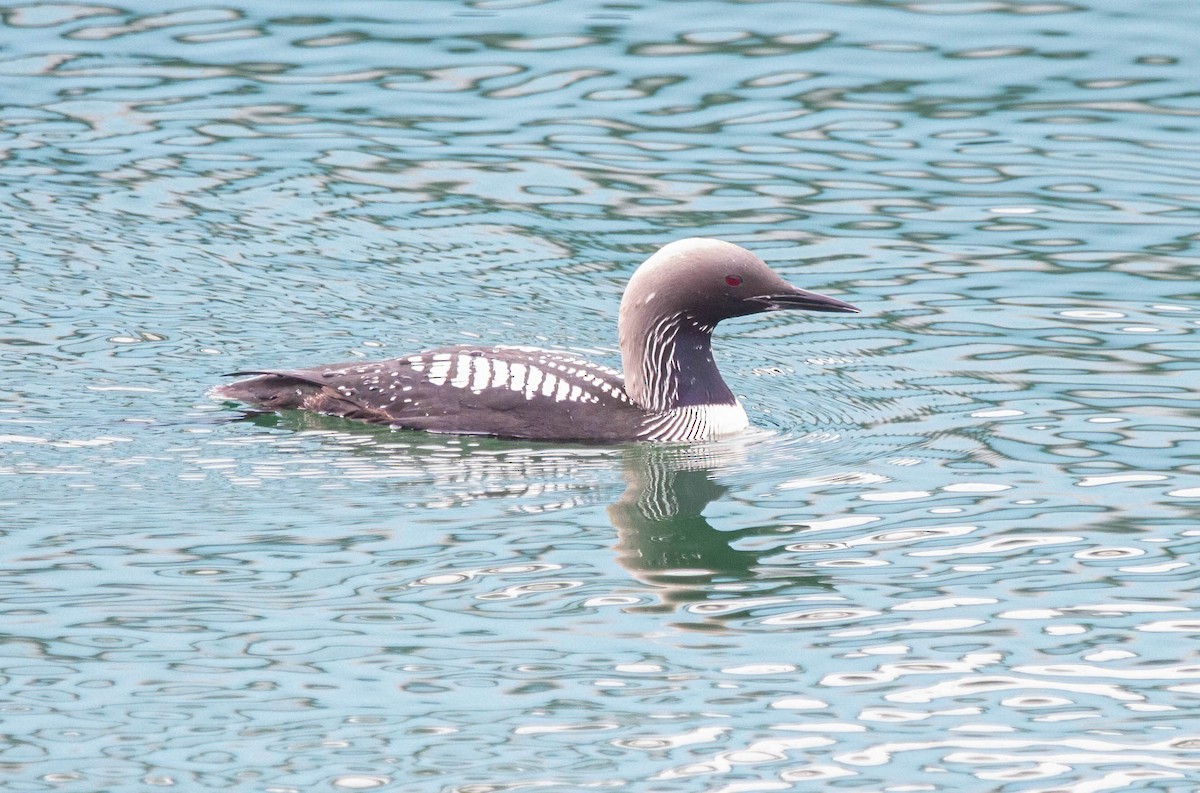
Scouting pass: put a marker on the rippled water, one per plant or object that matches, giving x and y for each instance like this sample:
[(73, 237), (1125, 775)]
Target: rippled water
[(957, 555)]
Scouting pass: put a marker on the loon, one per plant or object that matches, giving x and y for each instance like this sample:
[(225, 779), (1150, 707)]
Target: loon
[(670, 389)]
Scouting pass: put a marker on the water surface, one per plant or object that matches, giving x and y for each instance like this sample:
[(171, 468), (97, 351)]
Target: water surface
[(955, 556)]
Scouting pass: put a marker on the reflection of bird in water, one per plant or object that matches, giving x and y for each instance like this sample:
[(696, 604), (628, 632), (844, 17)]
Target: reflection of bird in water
[(663, 538), (670, 389), (439, 471)]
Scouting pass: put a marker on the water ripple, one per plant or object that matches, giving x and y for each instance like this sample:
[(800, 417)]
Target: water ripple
[(950, 556)]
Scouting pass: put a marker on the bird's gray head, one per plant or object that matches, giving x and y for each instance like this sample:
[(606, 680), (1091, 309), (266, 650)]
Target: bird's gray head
[(710, 280), (687, 287)]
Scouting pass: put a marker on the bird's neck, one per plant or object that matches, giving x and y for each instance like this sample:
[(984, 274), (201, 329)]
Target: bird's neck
[(668, 364)]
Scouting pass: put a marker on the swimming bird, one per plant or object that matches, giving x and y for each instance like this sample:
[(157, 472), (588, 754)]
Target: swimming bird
[(670, 389)]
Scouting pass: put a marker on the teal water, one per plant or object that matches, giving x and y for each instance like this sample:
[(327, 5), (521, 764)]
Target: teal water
[(956, 556)]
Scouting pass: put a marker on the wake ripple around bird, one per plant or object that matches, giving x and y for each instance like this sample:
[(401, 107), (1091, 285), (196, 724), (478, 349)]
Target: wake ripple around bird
[(859, 414)]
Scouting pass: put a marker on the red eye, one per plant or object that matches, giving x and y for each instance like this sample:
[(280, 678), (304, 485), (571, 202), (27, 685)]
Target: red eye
[(733, 280)]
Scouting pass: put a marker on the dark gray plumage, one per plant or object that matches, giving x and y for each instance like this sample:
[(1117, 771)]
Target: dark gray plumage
[(670, 390)]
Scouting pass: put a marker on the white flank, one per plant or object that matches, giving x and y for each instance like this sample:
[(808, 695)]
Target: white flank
[(462, 371), (500, 376), (438, 370), (517, 376), (531, 385), (481, 373), (559, 378)]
